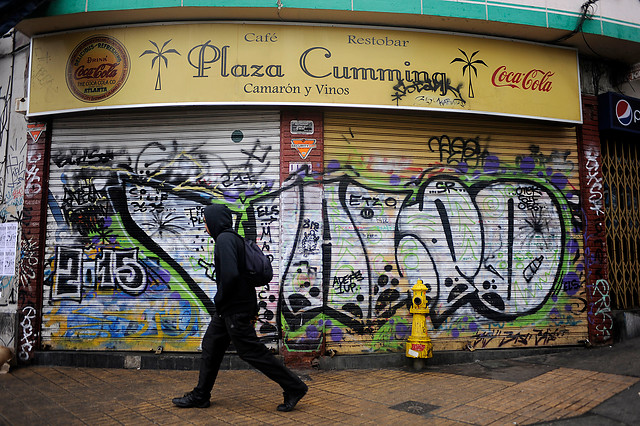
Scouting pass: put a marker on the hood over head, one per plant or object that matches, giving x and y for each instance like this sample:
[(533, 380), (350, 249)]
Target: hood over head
[(218, 218)]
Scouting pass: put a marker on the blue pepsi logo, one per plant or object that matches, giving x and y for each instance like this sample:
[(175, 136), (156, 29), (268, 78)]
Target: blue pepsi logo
[(624, 112)]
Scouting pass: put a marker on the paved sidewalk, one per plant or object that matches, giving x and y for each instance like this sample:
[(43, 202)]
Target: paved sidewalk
[(584, 386)]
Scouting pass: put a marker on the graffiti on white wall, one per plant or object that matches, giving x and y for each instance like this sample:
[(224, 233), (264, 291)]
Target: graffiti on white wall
[(129, 262)]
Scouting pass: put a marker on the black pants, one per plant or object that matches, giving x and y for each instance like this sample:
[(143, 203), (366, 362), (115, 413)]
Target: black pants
[(237, 328)]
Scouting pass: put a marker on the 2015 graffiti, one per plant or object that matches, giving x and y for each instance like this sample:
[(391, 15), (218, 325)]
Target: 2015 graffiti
[(110, 268)]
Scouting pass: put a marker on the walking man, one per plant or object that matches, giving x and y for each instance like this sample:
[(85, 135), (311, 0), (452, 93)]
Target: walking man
[(236, 308)]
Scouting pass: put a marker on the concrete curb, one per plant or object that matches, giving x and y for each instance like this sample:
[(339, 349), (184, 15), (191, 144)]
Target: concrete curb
[(191, 361), (399, 360)]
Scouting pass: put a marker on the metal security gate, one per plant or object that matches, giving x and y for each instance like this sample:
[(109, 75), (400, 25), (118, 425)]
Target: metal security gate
[(129, 265), (621, 172), (484, 210)]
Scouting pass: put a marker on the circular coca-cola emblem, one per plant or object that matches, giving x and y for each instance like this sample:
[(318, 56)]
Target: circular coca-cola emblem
[(97, 68)]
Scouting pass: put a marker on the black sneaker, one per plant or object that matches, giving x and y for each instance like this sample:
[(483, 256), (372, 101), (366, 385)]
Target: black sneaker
[(292, 398), (189, 400)]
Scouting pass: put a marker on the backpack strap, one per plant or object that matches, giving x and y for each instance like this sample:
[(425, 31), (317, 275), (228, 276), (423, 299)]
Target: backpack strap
[(241, 262)]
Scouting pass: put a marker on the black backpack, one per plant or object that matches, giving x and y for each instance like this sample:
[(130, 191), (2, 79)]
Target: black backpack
[(257, 266)]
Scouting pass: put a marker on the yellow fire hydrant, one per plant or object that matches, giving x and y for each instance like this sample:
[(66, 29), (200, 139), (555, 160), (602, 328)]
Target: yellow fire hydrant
[(419, 344)]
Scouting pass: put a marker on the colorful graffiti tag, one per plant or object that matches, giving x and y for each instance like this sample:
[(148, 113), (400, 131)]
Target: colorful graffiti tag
[(130, 267)]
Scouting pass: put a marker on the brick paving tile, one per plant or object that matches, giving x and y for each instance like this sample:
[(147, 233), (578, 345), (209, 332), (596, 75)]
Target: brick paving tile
[(24, 417), (94, 417), (54, 412), (474, 415), (549, 409), (338, 400), (441, 421), (511, 406), (557, 413), (531, 412), (113, 396), (134, 420), (505, 420), (515, 420), (281, 420), (623, 380), (63, 421), (581, 406), (335, 417), (15, 385)]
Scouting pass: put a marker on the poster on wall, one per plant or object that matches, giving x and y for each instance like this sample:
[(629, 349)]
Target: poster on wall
[(264, 64), (8, 239)]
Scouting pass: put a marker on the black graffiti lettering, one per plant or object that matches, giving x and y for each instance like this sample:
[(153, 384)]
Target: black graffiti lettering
[(456, 150), (253, 156), (528, 198), (67, 281), (307, 223), (438, 84), (571, 285), (509, 337), (113, 268), (194, 214), (445, 187), (89, 156), (144, 200), (104, 271), (544, 337), (367, 213), (357, 200), (263, 211), (130, 275), (310, 242), (85, 193), (266, 235), (347, 283)]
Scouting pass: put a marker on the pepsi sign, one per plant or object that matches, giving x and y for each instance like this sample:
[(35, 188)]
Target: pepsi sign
[(618, 112)]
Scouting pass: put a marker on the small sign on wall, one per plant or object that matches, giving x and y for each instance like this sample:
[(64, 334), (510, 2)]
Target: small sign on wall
[(35, 130), (295, 167), (301, 127), (303, 146)]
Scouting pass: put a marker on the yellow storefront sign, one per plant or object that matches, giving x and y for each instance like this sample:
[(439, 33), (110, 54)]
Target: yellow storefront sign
[(262, 64)]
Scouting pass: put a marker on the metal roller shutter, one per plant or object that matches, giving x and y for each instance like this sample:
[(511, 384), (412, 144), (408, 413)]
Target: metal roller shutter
[(620, 165), (484, 210), (129, 265)]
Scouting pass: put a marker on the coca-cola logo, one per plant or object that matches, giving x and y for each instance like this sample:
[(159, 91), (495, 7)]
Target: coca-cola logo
[(533, 79), (97, 68)]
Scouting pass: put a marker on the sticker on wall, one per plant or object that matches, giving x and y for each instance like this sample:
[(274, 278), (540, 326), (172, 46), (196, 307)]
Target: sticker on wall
[(97, 68), (296, 167), (303, 146)]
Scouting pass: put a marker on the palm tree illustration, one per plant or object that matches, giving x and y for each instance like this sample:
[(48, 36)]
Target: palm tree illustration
[(469, 64), (159, 53)]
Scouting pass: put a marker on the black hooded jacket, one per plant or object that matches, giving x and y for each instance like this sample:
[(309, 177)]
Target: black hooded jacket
[(234, 294)]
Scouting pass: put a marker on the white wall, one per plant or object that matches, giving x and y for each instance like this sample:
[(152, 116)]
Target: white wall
[(14, 54)]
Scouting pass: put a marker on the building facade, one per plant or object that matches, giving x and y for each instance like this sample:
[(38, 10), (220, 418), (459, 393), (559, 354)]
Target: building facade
[(478, 146)]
